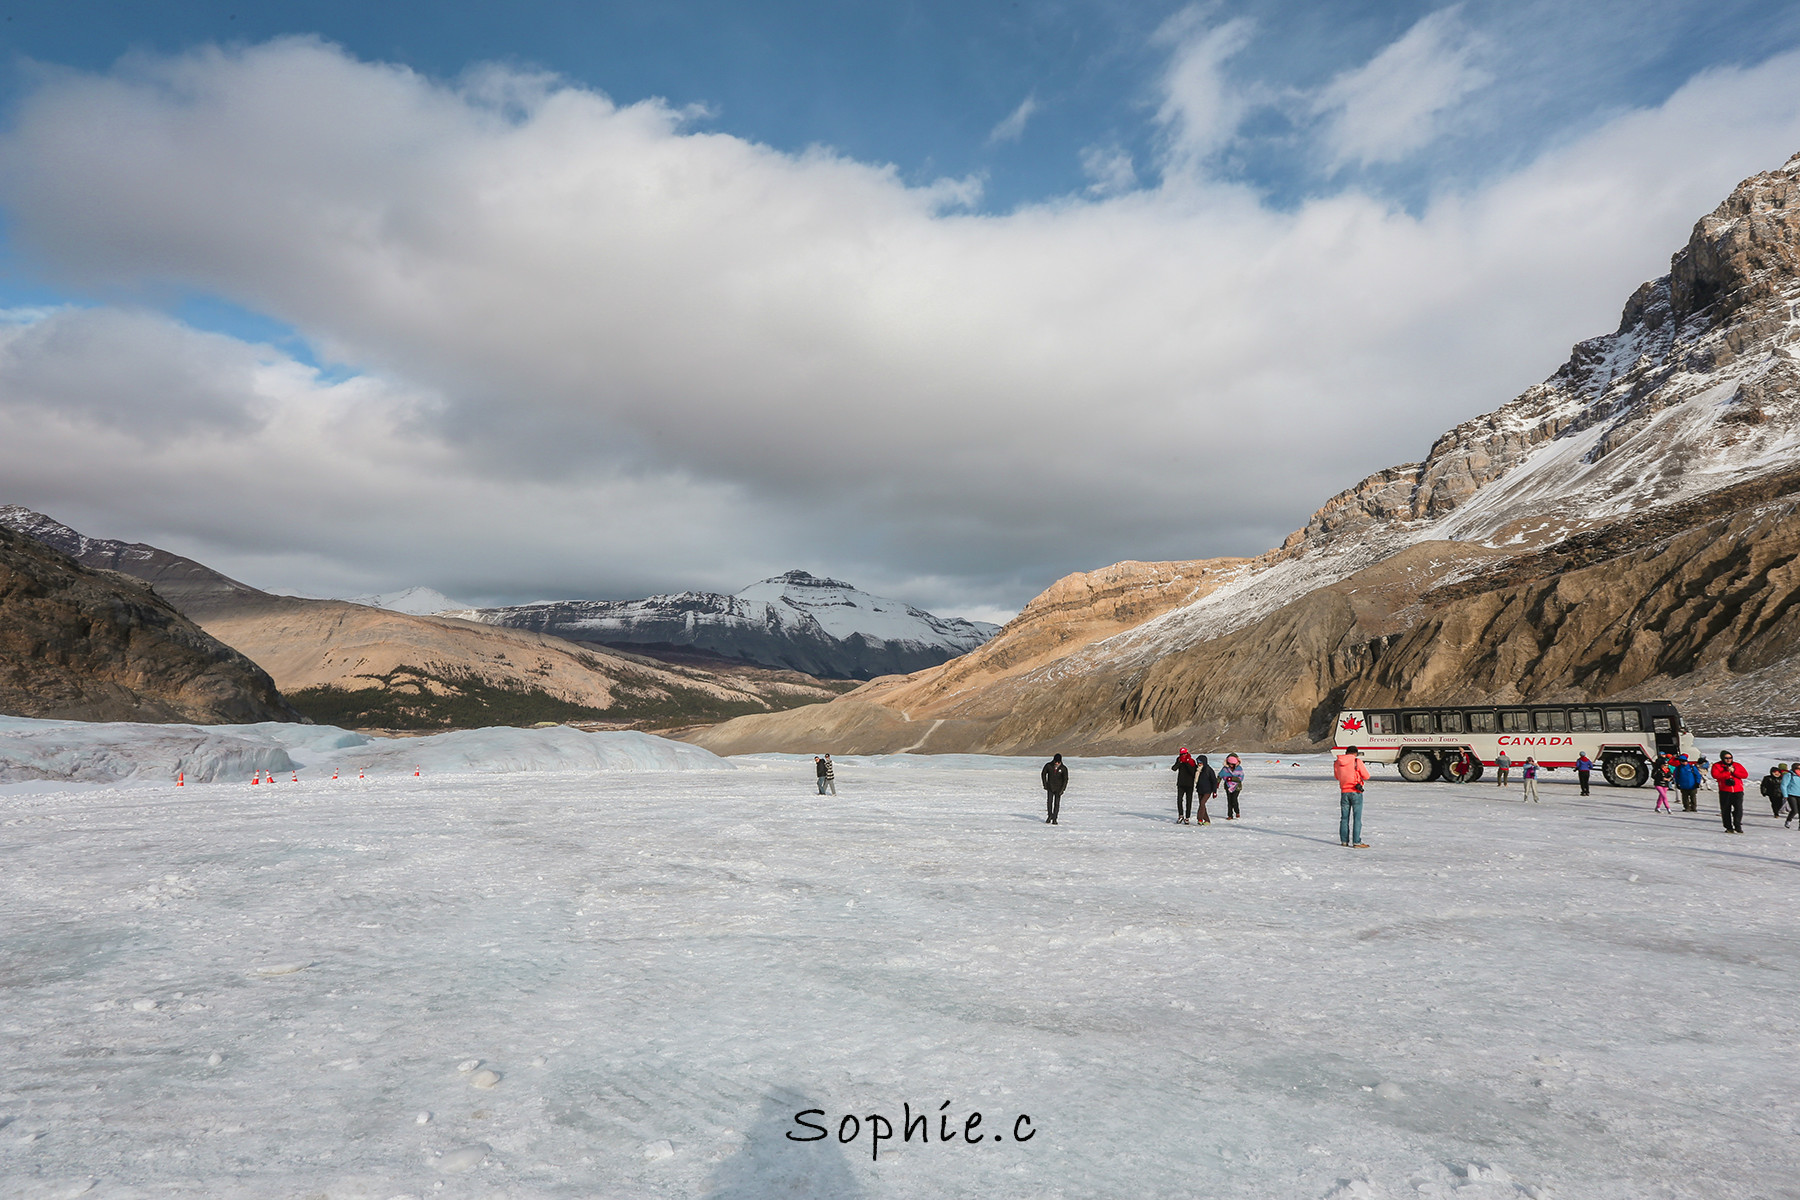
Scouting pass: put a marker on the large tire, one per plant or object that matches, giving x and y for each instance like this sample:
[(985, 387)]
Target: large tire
[(1417, 767), (1625, 770)]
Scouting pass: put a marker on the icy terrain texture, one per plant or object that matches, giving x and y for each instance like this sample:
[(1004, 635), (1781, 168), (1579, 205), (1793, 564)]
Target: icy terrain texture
[(86, 752), (611, 985)]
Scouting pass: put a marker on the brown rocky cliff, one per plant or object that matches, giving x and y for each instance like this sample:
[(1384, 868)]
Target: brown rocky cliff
[(88, 645)]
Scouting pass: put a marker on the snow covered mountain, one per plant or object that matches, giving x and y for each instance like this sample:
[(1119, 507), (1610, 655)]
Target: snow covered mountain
[(416, 601), (820, 626), (1630, 526)]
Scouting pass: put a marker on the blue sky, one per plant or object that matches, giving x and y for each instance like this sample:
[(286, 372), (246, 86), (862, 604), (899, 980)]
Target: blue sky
[(1194, 193)]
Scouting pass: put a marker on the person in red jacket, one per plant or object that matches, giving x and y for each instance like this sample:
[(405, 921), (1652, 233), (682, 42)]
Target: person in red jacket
[(1352, 772), (1730, 775)]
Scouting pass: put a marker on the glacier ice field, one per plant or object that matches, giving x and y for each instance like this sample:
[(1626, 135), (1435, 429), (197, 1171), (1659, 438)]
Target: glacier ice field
[(621, 967)]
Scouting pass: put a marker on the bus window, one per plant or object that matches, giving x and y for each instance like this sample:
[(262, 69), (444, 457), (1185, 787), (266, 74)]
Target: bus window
[(1483, 722), (1383, 723), (1418, 723), (1552, 722), (1663, 725), (1516, 722), (1623, 720), (1585, 720), (1450, 722)]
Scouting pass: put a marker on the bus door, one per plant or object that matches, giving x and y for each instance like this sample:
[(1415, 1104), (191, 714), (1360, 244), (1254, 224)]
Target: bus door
[(1668, 738)]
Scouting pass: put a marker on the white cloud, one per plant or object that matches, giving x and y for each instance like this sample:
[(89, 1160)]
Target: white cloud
[(1013, 127), (1398, 101), (603, 351), (1110, 168), (1201, 109)]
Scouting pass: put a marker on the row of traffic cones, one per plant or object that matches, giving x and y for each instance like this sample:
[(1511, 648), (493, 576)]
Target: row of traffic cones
[(257, 778)]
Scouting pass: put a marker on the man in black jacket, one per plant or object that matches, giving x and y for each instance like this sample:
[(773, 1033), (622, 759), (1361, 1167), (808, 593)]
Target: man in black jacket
[(1185, 768), (1206, 786), (1056, 780)]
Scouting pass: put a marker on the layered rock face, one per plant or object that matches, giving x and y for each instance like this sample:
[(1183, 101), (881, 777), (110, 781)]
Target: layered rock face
[(79, 644), (1623, 528)]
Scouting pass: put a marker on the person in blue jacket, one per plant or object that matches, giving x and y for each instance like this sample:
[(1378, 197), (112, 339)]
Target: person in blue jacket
[(1687, 781), (1790, 787)]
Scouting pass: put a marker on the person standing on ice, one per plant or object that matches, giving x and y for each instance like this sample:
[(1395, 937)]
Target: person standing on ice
[(1790, 788), (1528, 773), (1584, 767), (1731, 775), (1771, 788), (1056, 781), (1661, 774), (1687, 782), (819, 770), (830, 776), (1232, 780), (1502, 765), (1185, 769), (1206, 786), (1352, 772)]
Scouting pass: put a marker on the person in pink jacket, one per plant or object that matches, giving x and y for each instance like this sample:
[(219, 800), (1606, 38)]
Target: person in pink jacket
[(1352, 772)]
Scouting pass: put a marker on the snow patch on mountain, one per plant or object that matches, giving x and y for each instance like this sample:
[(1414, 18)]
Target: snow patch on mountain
[(415, 601)]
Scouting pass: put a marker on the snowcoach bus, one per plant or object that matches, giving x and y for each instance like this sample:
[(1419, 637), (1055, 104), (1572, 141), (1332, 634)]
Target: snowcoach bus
[(1458, 742)]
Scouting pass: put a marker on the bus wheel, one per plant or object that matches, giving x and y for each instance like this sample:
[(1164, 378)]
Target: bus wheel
[(1469, 776), (1625, 770), (1415, 767)]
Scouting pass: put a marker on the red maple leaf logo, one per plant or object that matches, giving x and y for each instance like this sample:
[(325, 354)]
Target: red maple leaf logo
[(1352, 724)]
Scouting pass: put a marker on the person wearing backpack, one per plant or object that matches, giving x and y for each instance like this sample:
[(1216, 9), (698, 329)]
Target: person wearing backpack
[(1771, 788), (1661, 774), (1056, 782), (1687, 782), (1232, 780), (1185, 769), (1351, 772)]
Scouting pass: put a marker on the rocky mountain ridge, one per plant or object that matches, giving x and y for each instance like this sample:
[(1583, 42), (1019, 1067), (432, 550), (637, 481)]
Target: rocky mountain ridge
[(94, 644), (1621, 528)]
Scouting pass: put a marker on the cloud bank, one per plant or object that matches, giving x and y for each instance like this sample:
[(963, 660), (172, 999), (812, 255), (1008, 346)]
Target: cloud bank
[(601, 350)]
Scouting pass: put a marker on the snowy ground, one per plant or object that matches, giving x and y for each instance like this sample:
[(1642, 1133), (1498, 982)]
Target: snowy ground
[(229, 991)]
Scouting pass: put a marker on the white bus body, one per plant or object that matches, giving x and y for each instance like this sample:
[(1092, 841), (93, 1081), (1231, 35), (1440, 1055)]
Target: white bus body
[(1621, 737)]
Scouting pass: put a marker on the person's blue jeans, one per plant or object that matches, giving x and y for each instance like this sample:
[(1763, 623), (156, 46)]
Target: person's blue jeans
[(1352, 805)]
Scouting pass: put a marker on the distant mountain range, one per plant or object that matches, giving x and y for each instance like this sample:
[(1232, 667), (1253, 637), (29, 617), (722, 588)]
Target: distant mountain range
[(797, 621), (343, 663), (1629, 527)]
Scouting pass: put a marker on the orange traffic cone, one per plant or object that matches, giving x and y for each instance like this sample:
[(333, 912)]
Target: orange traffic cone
[(181, 779), (296, 778), (415, 772), (334, 775), (359, 774)]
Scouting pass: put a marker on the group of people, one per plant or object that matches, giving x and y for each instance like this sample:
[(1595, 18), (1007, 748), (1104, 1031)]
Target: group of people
[(1688, 776), (826, 772), (1781, 788), (1196, 783)]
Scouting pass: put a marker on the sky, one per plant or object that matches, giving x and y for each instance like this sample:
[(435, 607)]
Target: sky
[(600, 300)]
